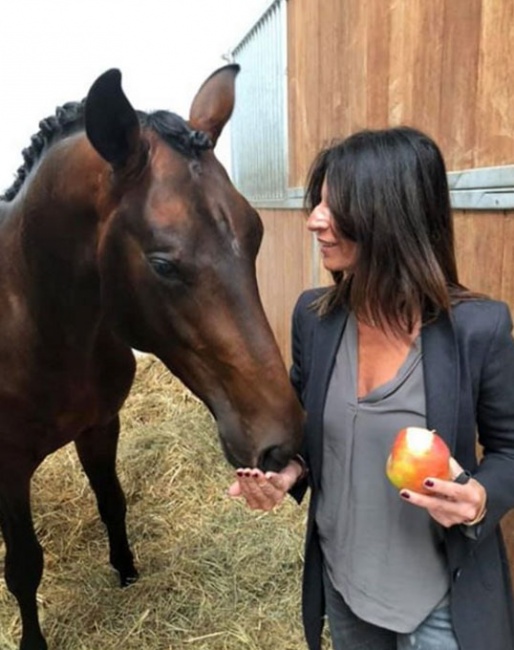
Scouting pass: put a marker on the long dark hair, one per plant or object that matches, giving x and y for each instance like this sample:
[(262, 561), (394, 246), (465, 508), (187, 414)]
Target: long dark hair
[(388, 192)]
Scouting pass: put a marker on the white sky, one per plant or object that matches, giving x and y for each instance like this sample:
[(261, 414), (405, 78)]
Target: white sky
[(51, 51)]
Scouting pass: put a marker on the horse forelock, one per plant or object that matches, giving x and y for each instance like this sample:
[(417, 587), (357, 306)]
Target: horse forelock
[(176, 132)]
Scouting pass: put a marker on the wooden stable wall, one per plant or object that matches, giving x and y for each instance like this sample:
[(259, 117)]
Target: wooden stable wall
[(443, 66), (485, 252), (284, 269), (289, 261)]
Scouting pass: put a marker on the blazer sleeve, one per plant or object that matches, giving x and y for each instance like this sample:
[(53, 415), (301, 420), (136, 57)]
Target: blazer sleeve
[(295, 373), (495, 421), (297, 377)]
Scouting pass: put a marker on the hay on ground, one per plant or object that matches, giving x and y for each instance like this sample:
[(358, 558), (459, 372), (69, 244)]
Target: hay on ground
[(214, 575)]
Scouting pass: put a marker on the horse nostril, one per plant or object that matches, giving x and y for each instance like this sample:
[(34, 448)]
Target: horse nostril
[(273, 459)]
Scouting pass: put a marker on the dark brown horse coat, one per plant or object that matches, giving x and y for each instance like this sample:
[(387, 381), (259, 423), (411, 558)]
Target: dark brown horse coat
[(123, 231)]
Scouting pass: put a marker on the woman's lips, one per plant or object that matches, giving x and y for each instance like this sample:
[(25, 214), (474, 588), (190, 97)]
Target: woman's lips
[(324, 245)]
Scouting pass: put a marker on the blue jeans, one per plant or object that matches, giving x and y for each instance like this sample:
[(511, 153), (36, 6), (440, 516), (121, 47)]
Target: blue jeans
[(349, 632)]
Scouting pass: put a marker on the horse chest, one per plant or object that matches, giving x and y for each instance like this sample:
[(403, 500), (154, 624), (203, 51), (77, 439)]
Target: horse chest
[(89, 399), (53, 408)]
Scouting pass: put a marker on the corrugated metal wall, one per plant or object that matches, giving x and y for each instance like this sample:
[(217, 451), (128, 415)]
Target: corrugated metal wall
[(259, 127)]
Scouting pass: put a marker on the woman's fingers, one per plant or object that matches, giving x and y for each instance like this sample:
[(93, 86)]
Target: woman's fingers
[(455, 468), (264, 491), (257, 489), (449, 502), (234, 490)]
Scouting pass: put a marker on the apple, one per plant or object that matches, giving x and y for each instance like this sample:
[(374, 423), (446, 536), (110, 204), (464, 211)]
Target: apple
[(416, 454)]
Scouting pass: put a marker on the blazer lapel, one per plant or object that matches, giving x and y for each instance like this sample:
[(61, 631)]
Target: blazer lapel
[(327, 337), (441, 374)]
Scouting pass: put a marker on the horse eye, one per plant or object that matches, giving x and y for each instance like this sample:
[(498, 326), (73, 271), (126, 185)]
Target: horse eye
[(163, 267)]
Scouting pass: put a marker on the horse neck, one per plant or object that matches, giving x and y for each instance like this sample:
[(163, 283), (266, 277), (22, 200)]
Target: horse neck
[(58, 225)]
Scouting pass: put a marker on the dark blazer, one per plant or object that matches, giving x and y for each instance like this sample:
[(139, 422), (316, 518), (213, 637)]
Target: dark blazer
[(468, 365)]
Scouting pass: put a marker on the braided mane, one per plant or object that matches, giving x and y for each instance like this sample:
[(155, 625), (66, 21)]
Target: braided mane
[(67, 118), (70, 117)]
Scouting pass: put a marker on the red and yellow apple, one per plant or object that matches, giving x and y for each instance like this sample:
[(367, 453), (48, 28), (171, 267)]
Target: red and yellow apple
[(417, 454)]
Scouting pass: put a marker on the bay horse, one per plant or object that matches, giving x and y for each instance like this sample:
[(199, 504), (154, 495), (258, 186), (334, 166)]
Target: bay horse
[(123, 231)]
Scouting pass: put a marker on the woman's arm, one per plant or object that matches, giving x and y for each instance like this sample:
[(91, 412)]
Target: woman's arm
[(495, 421), (489, 494)]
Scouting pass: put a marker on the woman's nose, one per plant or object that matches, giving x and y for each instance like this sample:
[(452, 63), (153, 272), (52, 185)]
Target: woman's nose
[(319, 218)]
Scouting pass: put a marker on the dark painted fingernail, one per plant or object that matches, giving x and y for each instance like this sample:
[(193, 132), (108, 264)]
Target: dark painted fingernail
[(247, 472), (429, 483), (239, 472), (405, 495)]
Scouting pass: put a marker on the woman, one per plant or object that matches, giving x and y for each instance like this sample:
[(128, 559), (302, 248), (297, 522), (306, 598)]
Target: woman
[(397, 341)]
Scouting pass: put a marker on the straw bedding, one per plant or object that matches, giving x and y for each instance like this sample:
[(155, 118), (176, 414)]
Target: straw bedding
[(214, 575)]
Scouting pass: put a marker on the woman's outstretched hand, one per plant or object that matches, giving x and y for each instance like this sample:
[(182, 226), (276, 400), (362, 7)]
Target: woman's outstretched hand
[(451, 502), (264, 490)]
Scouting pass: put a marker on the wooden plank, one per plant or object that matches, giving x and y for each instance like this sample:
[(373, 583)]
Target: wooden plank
[(426, 32), (304, 88), (479, 242), (401, 62), (352, 64), (494, 142), (507, 282), (378, 53), (354, 67), (417, 29), (459, 78), (333, 81), (282, 266)]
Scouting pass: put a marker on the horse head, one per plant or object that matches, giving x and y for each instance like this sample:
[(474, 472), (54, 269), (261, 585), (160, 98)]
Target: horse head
[(177, 251)]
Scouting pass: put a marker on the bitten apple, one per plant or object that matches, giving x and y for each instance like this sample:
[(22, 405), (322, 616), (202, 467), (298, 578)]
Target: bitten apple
[(416, 454)]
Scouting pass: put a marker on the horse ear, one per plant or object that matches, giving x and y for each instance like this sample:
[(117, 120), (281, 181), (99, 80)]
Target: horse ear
[(111, 123), (214, 102)]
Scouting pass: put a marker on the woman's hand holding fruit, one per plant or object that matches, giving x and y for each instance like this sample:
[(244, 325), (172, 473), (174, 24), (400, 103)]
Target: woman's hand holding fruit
[(420, 466)]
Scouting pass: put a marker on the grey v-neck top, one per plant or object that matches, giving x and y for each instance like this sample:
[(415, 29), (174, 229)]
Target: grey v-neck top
[(383, 555)]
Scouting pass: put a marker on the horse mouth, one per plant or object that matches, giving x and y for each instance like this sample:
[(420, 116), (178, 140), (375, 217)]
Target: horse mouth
[(270, 458), (274, 458), (233, 459)]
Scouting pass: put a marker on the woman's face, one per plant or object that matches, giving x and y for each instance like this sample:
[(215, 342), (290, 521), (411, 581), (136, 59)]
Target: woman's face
[(338, 253)]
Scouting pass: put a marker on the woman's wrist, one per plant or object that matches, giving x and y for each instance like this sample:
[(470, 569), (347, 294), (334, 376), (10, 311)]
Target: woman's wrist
[(480, 517), (302, 465), (482, 510)]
